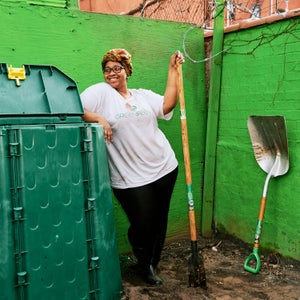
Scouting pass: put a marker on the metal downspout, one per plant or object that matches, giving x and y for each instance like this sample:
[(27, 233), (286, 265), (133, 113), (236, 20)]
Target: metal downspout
[(212, 122)]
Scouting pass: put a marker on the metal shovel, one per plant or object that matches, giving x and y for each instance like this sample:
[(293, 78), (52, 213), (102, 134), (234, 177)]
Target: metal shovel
[(269, 142)]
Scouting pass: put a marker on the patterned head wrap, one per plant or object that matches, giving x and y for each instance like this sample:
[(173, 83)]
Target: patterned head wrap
[(121, 56)]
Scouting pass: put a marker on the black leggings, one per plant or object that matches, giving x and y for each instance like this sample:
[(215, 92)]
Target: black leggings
[(147, 210)]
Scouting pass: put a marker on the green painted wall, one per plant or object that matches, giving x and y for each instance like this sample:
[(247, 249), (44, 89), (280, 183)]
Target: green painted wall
[(260, 76), (75, 41)]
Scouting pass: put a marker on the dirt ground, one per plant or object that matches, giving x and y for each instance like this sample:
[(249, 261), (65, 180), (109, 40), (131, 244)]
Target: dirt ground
[(224, 256)]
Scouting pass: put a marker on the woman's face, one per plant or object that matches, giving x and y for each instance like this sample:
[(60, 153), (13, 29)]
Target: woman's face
[(115, 74)]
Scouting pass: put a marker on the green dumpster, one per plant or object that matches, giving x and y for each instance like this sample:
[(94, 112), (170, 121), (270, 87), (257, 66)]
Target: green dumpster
[(57, 227)]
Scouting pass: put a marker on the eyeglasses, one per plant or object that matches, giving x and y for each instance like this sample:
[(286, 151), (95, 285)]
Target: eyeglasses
[(115, 69)]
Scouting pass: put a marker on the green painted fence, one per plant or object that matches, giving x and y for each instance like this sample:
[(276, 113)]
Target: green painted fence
[(74, 41), (260, 75)]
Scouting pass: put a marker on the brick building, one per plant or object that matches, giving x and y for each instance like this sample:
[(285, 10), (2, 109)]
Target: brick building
[(198, 12)]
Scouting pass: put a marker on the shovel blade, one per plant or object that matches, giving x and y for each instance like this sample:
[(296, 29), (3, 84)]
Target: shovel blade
[(197, 275), (269, 140), (196, 268)]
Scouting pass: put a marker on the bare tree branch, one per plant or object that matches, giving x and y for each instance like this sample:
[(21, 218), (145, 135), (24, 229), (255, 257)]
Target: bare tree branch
[(142, 6)]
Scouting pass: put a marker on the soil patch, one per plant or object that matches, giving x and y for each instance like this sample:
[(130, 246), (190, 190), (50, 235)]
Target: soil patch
[(224, 256)]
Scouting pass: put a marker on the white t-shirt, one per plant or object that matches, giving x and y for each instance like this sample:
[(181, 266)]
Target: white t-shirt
[(139, 153)]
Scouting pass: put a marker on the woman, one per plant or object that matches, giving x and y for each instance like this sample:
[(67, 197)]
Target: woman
[(143, 166)]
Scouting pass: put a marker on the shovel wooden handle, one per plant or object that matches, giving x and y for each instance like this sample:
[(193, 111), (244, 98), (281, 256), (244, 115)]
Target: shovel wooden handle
[(186, 155), (254, 258), (184, 131)]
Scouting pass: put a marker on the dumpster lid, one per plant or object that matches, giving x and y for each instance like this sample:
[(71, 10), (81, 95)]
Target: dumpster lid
[(37, 90)]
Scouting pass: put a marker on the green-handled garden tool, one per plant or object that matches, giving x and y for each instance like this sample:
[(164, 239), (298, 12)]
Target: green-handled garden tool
[(196, 268), (269, 142)]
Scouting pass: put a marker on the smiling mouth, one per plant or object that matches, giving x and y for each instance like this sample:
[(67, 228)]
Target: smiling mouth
[(113, 79)]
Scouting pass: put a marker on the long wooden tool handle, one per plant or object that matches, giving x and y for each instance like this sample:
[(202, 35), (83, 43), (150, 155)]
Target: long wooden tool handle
[(186, 155), (184, 131), (259, 222)]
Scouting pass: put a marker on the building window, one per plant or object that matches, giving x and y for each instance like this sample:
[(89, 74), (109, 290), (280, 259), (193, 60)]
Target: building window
[(255, 11)]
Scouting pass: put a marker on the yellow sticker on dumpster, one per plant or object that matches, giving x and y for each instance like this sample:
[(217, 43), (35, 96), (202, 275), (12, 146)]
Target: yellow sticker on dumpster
[(16, 74)]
